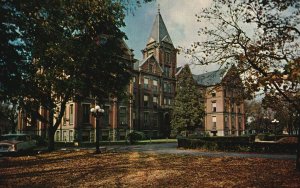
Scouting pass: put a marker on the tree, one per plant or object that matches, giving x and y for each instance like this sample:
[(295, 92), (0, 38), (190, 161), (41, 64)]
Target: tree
[(261, 37), (9, 113), (187, 112), (73, 50), (284, 112)]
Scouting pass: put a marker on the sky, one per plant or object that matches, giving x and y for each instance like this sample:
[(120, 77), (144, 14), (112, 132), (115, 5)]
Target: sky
[(180, 20)]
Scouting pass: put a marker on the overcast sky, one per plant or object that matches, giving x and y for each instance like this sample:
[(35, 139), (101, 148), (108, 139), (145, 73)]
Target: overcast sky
[(179, 17)]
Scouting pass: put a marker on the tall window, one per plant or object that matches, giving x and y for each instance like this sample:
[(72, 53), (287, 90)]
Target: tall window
[(155, 119), (71, 113), (146, 119), (167, 101), (146, 100), (232, 107), (64, 136), (239, 109), (105, 118), (146, 83), (214, 123), (170, 88), (232, 121), (167, 57), (240, 122), (57, 135), (155, 101), (226, 121), (85, 113), (155, 88), (233, 128), (123, 115), (214, 106), (167, 71), (71, 136), (167, 87)]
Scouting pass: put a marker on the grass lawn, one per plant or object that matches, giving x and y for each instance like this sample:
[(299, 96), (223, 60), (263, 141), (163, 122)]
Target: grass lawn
[(133, 169), (118, 142)]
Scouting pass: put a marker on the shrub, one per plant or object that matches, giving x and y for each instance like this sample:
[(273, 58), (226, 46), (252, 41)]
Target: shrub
[(39, 140), (135, 136), (234, 144)]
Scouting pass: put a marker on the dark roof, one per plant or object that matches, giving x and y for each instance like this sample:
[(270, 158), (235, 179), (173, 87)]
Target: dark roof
[(159, 31), (210, 78)]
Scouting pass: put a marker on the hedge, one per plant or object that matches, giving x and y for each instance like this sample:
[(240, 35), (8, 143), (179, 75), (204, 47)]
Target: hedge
[(237, 146)]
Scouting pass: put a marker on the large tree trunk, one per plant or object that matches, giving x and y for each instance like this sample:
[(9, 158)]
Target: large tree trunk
[(51, 146), (51, 131)]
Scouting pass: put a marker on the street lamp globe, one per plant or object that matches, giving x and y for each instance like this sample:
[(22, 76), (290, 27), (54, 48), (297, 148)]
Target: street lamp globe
[(93, 110), (97, 108)]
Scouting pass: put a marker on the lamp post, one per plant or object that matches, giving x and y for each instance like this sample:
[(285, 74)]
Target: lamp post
[(275, 122), (97, 112)]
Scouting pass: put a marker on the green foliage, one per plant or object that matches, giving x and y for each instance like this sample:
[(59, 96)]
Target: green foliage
[(66, 50), (187, 112), (9, 114), (135, 136)]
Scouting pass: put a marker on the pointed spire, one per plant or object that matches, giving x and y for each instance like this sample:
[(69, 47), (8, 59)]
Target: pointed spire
[(158, 8), (159, 30)]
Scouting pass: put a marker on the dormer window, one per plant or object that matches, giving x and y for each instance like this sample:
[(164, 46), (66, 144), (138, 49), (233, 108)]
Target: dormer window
[(167, 57), (151, 68), (213, 94)]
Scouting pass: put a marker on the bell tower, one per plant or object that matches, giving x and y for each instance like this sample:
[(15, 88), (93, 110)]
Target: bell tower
[(161, 46)]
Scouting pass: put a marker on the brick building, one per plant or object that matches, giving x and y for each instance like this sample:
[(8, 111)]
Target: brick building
[(154, 82), (224, 105), (151, 93)]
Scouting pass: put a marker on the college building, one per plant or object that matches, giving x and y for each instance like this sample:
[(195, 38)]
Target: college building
[(222, 91), (151, 94)]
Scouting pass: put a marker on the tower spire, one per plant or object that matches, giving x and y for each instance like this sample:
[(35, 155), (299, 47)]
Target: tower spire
[(159, 30), (158, 8)]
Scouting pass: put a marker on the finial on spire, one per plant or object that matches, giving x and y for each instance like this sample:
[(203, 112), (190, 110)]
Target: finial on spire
[(158, 8)]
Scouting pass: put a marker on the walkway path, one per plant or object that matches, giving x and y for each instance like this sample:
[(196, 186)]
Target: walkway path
[(171, 148)]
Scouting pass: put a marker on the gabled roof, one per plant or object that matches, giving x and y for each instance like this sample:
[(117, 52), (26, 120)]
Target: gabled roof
[(139, 64), (159, 31), (210, 78)]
